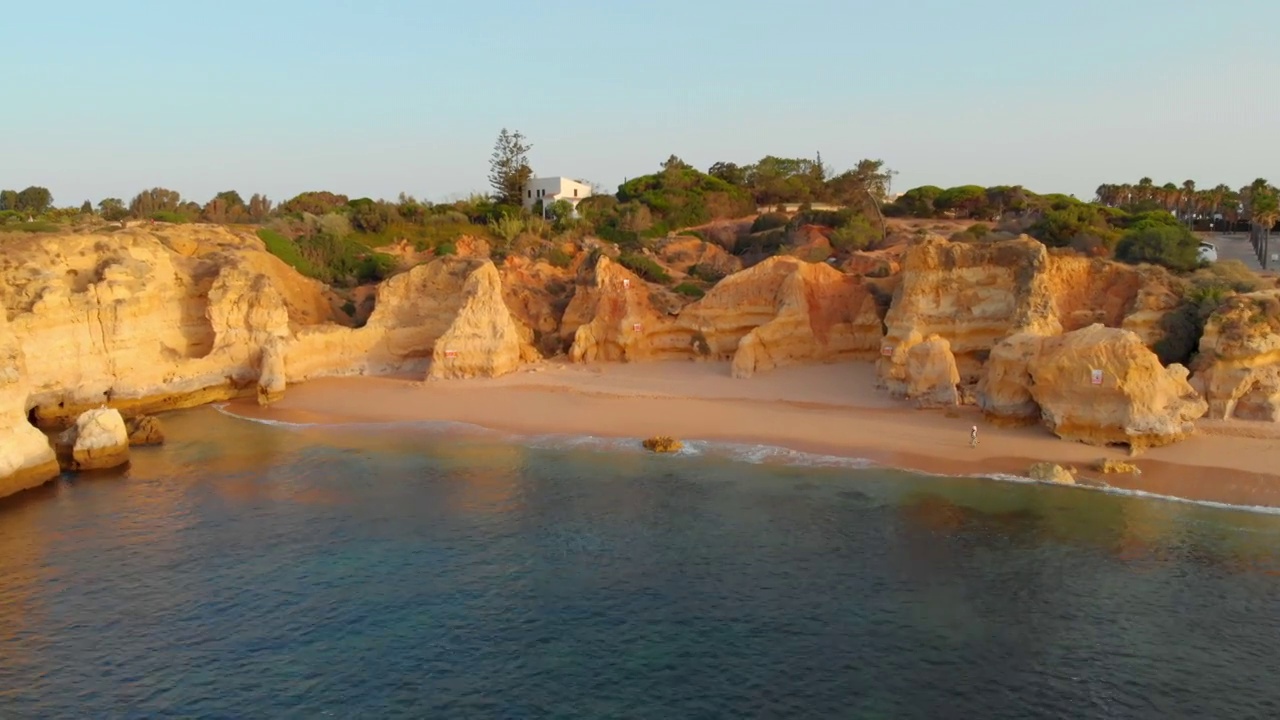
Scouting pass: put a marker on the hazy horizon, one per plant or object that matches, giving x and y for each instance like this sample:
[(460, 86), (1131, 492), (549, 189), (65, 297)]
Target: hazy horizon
[(378, 98)]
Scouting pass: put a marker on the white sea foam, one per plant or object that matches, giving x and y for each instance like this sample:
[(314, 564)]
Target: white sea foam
[(754, 454)]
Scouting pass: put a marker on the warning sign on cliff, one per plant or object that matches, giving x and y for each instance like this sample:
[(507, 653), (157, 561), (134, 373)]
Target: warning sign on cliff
[(626, 283), (886, 350), (636, 327), (1095, 377), (451, 353)]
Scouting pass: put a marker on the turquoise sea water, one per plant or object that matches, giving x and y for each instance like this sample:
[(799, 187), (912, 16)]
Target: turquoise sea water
[(251, 571)]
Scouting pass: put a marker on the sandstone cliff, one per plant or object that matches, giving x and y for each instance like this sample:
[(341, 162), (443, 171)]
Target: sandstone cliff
[(990, 300), (1102, 386), (147, 320), (26, 458), (483, 340), (811, 312), (412, 312), (616, 316), (1238, 367)]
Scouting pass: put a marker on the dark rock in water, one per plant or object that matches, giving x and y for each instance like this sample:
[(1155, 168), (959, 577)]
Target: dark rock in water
[(663, 444), (145, 430)]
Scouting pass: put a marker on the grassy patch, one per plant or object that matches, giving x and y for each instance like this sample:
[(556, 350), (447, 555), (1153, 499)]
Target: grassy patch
[(644, 267), (688, 289), (285, 249)]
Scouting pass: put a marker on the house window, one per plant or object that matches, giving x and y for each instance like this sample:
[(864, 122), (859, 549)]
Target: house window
[(575, 192), (530, 193)]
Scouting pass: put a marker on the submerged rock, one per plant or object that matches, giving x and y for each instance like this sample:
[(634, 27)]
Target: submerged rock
[(663, 444), (1052, 473)]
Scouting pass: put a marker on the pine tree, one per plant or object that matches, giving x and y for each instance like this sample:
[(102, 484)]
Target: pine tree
[(509, 169)]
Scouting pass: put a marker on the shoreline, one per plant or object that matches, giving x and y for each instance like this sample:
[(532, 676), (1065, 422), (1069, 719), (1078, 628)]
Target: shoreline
[(831, 410)]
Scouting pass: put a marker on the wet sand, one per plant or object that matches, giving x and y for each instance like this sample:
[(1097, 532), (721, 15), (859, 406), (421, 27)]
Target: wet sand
[(828, 409)]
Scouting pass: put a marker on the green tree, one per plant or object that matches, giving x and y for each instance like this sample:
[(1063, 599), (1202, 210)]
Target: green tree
[(112, 209), (259, 207), (34, 200), (148, 202), (316, 202), (509, 169), (729, 172), (966, 201), (918, 202), (86, 208)]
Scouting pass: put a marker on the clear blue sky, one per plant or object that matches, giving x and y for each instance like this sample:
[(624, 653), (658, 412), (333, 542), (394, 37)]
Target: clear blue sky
[(372, 98)]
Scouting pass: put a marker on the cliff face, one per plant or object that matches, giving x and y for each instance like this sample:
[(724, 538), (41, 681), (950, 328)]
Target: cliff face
[(26, 459), (147, 320), (973, 295), (483, 340), (817, 314), (1238, 367), (616, 316)]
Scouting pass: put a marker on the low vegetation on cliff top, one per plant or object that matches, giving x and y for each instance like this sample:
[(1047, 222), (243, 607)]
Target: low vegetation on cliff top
[(797, 206)]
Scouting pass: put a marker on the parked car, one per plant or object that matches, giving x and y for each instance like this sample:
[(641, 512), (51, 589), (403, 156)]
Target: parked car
[(1208, 252)]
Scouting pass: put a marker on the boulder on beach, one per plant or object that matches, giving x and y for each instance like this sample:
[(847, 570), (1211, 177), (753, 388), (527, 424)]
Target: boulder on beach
[(144, 430), (98, 441), (1051, 473), (663, 444)]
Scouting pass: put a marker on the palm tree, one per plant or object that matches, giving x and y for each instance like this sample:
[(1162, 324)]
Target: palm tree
[(1188, 200)]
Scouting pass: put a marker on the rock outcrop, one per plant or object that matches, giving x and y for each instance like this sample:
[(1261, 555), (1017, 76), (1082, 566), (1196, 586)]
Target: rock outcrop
[(483, 340), (98, 441), (784, 311), (144, 430), (1051, 473), (1238, 367), (26, 459), (413, 311), (615, 316), (148, 320), (932, 377), (1101, 386), (990, 300)]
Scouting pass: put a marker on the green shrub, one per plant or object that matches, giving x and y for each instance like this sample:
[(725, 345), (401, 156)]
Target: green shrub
[(1172, 246), (559, 258), (856, 233), (1184, 326), (169, 216), (645, 267), (375, 267), (446, 247), (37, 226), (769, 221), (706, 274), (689, 289)]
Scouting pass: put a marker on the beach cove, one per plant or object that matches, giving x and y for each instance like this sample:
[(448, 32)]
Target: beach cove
[(832, 410)]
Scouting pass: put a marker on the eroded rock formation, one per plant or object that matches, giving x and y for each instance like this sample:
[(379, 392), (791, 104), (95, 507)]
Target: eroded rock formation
[(616, 316), (145, 321), (98, 441), (1101, 386), (26, 458), (483, 340), (1238, 367)]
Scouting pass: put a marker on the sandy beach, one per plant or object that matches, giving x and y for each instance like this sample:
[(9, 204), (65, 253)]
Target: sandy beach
[(829, 409)]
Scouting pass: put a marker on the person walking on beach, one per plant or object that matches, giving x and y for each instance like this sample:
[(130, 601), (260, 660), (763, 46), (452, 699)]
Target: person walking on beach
[(973, 437)]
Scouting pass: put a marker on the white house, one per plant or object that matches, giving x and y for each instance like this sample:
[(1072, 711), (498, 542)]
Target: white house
[(551, 189)]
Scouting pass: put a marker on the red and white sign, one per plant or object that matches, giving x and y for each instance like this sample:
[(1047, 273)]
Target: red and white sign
[(1095, 377), (886, 350), (451, 353), (626, 282), (636, 327)]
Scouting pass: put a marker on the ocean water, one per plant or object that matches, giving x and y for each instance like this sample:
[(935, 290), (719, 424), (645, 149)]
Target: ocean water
[(254, 571)]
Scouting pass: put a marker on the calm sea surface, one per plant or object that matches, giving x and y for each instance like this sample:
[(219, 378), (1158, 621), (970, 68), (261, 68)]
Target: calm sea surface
[(249, 571)]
